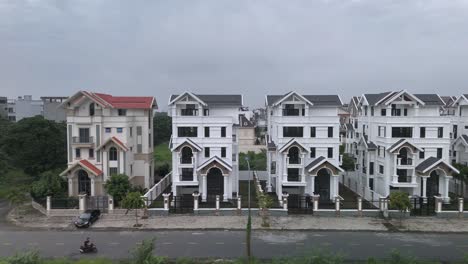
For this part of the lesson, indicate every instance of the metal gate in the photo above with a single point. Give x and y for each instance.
(181, 204)
(423, 206)
(298, 204)
(98, 203)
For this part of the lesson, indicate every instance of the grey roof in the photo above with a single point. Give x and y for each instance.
(315, 162)
(349, 127)
(466, 95)
(465, 137)
(430, 99)
(244, 122)
(448, 100)
(214, 158)
(397, 143)
(370, 144)
(426, 163)
(271, 145)
(374, 98)
(325, 100)
(218, 99)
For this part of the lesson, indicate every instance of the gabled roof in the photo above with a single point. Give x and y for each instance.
(319, 161)
(368, 144)
(211, 99)
(461, 97)
(396, 95)
(286, 96)
(190, 142)
(271, 145)
(373, 99)
(400, 143)
(291, 142)
(244, 122)
(463, 138)
(448, 100)
(216, 159)
(431, 99)
(317, 100)
(116, 141)
(110, 101)
(86, 165)
(432, 162)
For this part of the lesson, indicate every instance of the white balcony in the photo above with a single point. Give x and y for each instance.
(404, 181)
(186, 162)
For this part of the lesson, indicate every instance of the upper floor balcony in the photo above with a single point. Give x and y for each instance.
(82, 140)
(189, 112)
(405, 162)
(293, 112)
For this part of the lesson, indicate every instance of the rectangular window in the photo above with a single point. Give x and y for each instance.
(355, 124)
(78, 153)
(421, 154)
(440, 132)
(454, 154)
(372, 111)
(330, 153)
(122, 112)
(139, 139)
(405, 112)
(455, 131)
(84, 135)
(91, 153)
(312, 153)
(207, 132)
(402, 132)
(371, 168)
(293, 131)
(330, 132)
(439, 153)
(206, 112)
(365, 110)
(381, 169)
(113, 171)
(371, 184)
(207, 152)
(119, 130)
(383, 112)
(131, 131)
(223, 132)
(422, 132)
(108, 130)
(187, 131)
(131, 169)
(313, 131)
(223, 152)
(382, 131)
(187, 174)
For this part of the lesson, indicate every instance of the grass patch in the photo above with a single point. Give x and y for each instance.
(162, 159)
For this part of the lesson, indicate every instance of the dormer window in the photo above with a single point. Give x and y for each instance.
(290, 110)
(190, 110)
(122, 112)
(91, 109)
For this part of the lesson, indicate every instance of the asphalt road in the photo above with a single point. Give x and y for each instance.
(231, 244)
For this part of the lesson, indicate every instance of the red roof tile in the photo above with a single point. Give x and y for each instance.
(91, 167)
(128, 102)
(116, 140)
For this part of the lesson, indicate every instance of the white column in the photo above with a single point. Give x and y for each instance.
(194, 161)
(303, 179)
(48, 204)
(226, 188)
(312, 185)
(268, 171)
(166, 200)
(285, 168)
(93, 191)
(82, 202)
(424, 187)
(71, 187)
(446, 197)
(204, 188)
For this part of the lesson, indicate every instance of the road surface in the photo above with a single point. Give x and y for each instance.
(231, 244)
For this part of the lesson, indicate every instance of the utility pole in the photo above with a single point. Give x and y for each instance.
(249, 219)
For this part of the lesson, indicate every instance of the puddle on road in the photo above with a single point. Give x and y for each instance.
(279, 238)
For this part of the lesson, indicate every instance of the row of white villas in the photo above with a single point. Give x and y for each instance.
(108, 135)
(404, 141)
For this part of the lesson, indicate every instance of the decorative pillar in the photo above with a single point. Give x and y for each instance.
(359, 205)
(71, 187)
(110, 202)
(204, 188)
(460, 205)
(285, 168)
(166, 201)
(424, 187)
(268, 171)
(285, 200)
(93, 186)
(312, 185)
(315, 199)
(48, 204)
(438, 204)
(239, 203)
(196, 197)
(446, 197)
(395, 175)
(82, 202)
(226, 189)
(217, 202)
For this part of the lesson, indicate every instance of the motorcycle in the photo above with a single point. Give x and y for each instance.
(89, 249)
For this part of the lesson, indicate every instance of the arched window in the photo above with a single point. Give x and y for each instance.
(112, 153)
(293, 155)
(91, 109)
(186, 155)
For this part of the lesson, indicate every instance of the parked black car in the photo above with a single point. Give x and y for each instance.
(87, 218)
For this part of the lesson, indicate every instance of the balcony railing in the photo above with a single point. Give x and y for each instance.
(83, 140)
(294, 161)
(405, 161)
(186, 160)
(291, 112)
(405, 179)
(294, 178)
(186, 177)
(189, 112)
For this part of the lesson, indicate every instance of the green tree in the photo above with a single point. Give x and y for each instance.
(118, 186)
(16, 196)
(401, 202)
(258, 161)
(348, 162)
(162, 124)
(35, 145)
(50, 183)
(462, 176)
(133, 201)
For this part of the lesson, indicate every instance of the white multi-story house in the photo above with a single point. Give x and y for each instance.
(108, 135)
(459, 118)
(352, 137)
(204, 144)
(404, 144)
(303, 144)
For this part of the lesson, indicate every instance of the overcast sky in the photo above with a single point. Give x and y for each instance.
(251, 47)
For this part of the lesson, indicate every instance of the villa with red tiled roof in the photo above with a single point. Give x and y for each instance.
(108, 135)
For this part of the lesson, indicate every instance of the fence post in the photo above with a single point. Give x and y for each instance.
(315, 199)
(337, 205)
(196, 196)
(239, 203)
(460, 206)
(438, 205)
(166, 201)
(285, 200)
(82, 202)
(217, 202)
(359, 205)
(111, 203)
(48, 204)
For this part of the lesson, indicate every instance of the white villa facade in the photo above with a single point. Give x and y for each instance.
(108, 135)
(404, 144)
(303, 145)
(204, 144)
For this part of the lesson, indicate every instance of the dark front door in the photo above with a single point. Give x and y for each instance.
(215, 182)
(322, 185)
(84, 183)
(432, 185)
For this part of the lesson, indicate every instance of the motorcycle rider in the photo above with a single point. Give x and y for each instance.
(87, 244)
